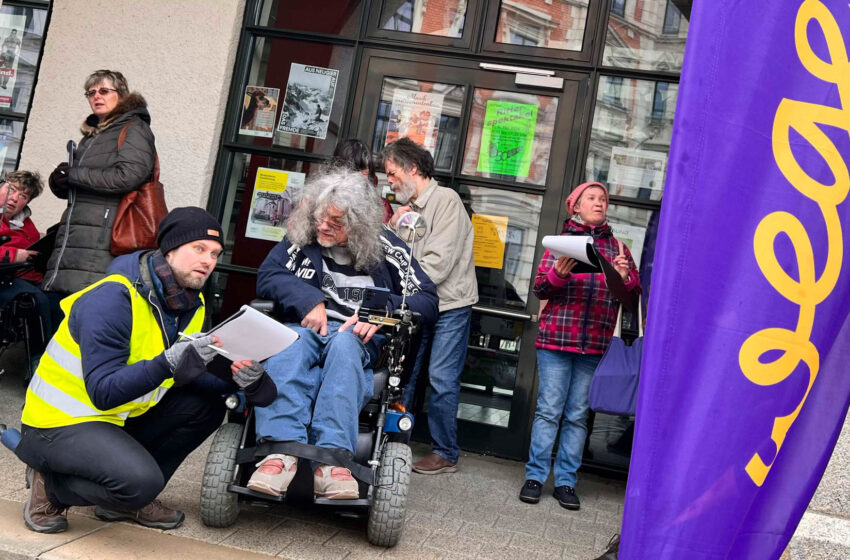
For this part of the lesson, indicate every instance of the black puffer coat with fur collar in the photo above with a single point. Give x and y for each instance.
(99, 177)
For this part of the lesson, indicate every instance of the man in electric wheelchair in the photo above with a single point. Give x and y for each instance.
(335, 248)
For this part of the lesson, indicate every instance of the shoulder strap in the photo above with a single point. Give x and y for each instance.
(122, 136)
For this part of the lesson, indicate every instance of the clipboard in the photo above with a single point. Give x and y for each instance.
(589, 261)
(249, 334)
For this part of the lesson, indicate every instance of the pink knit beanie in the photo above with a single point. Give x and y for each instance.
(574, 196)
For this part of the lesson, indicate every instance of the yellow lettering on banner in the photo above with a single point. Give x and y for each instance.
(807, 291)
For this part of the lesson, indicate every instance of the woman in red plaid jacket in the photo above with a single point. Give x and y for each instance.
(575, 329)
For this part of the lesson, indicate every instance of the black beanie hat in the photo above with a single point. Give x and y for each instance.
(187, 224)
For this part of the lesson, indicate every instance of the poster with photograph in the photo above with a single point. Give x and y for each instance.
(275, 195)
(259, 108)
(507, 138)
(415, 115)
(639, 169)
(308, 100)
(11, 32)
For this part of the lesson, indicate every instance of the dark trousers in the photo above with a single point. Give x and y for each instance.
(98, 463)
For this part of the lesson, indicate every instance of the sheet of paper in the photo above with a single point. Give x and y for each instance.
(249, 334)
(578, 247)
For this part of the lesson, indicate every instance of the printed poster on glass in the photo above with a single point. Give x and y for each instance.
(259, 108)
(11, 32)
(415, 115)
(308, 100)
(275, 195)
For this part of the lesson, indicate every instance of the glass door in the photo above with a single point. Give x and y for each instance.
(504, 139)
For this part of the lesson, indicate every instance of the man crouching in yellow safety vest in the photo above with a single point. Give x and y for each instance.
(117, 401)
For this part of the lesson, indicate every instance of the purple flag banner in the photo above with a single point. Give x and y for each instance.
(746, 368)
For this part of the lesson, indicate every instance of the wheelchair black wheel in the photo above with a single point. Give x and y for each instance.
(219, 507)
(386, 517)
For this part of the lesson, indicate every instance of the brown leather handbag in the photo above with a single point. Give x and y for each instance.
(139, 213)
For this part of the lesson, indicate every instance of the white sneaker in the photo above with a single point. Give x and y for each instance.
(334, 483)
(273, 475)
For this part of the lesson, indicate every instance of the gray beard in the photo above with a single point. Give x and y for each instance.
(405, 193)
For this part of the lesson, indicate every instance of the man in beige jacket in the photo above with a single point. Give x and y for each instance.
(445, 254)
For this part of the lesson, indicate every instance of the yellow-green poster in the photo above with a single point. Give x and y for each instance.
(507, 138)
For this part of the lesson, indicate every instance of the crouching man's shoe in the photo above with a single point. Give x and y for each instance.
(40, 514)
(154, 515)
(613, 549)
(434, 464)
(334, 483)
(273, 474)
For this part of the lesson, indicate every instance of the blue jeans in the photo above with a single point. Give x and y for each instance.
(448, 341)
(561, 400)
(328, 378)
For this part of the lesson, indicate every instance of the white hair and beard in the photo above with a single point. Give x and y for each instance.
(362, 214)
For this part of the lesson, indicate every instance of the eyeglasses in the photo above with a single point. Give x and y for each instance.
(102, 91)
(20, 193)
(334, 225)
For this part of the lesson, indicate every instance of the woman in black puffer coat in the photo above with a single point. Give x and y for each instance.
(98, 178)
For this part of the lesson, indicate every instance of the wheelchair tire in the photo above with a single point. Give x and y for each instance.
(386, 517)
(220, 508)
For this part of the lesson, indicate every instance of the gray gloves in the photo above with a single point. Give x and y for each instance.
(248, 374)
(200, 345)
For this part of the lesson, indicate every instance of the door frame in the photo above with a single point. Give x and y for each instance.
(376, 64)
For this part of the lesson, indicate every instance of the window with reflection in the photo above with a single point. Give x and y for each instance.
(505, 225)
(445, 18)
(338, 17)
(10, 143)
(21, 35)
(510, 136)
(637, 228)
(649, 37)
(261, 193)
(489, 375)
(630, 137)
(304, 86)
(550, 25)
(428, 113)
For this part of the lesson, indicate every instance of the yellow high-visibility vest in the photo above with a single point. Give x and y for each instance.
(57, 394)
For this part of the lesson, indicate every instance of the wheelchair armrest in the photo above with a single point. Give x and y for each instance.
(265, 306)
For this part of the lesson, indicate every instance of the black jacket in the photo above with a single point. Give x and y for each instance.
(100, 176)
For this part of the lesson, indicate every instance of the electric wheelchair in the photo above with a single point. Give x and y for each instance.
(382, 459)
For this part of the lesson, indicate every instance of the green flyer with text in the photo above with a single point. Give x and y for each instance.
(507, 138)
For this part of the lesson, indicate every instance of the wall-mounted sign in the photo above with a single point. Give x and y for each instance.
(308, 100)
(275, 194)
(507, 138)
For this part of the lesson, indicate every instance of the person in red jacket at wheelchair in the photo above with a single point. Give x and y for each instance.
(16, 192)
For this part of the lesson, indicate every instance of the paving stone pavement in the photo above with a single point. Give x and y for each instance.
(473, 513)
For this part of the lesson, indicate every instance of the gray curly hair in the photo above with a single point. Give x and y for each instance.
(360, 204)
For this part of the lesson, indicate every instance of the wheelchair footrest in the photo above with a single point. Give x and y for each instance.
(248, 492)
(360, 502)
